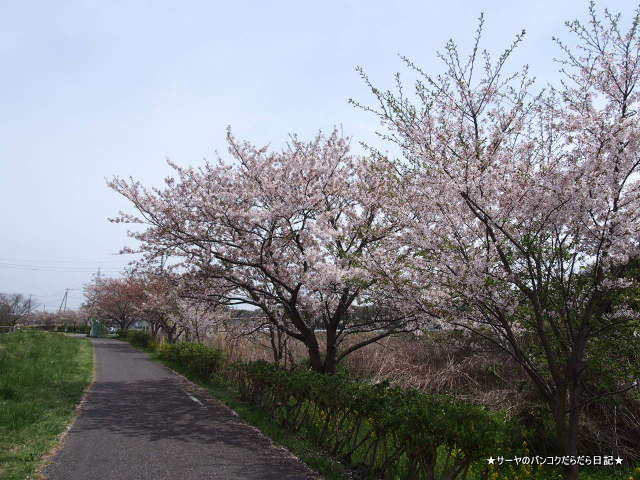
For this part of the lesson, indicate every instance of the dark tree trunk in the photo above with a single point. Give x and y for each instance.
(331, 357)
(315, 358)
(277, 344)
(170, 331)
(566, 413)
(155, 328)
(323, 364)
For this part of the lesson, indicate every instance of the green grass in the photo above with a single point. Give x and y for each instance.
(42, 378)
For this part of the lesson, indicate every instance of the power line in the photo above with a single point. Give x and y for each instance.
(42, 298)
(64, 260)
(52, 268)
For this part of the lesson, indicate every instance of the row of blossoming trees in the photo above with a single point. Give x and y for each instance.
(512, 213)
(167, 303)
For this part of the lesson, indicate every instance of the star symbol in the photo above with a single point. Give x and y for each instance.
(618, 461)
(491, 460)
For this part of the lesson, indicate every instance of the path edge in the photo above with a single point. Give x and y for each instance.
(208, 397)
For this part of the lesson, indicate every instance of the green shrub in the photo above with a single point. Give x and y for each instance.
(383, 430)
(72, 328)
(139, 339)
(198, 359)
(534, 424)
(122, 334)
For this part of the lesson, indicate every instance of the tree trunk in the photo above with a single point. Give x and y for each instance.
(315, 357)
(328, 364)
(567, 424)
(155, 328)
(331, 357)
(276, 345)
(171, 334)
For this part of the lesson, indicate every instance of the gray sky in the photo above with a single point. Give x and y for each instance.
(90, 89)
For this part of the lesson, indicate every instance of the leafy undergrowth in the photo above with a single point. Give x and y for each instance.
(42, 379)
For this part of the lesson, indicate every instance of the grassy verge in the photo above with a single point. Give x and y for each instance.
(42, 379)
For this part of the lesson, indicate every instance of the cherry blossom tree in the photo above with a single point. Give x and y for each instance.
(159, 305)
(202, 318)
(116, 300)
(525, 204)
(300, 234)
(179, 305)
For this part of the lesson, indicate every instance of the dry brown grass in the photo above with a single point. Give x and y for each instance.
(257, 346)
(455, 364)
(435, 363)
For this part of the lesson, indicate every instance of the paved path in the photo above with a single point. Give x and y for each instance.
(140, 421)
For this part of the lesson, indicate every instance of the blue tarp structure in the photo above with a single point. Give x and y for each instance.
(97, 329)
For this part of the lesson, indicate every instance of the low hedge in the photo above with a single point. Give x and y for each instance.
(122, 334)
(198, 359)
(139, 339)
(383, 431)
(71, 328)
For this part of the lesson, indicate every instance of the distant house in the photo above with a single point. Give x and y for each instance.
(140, 325)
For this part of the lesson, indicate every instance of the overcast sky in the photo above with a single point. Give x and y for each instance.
(90, 89)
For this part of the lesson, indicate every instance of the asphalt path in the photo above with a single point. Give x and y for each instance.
(141, 421)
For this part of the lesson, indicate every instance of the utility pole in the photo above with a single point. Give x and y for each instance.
(64, 300)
